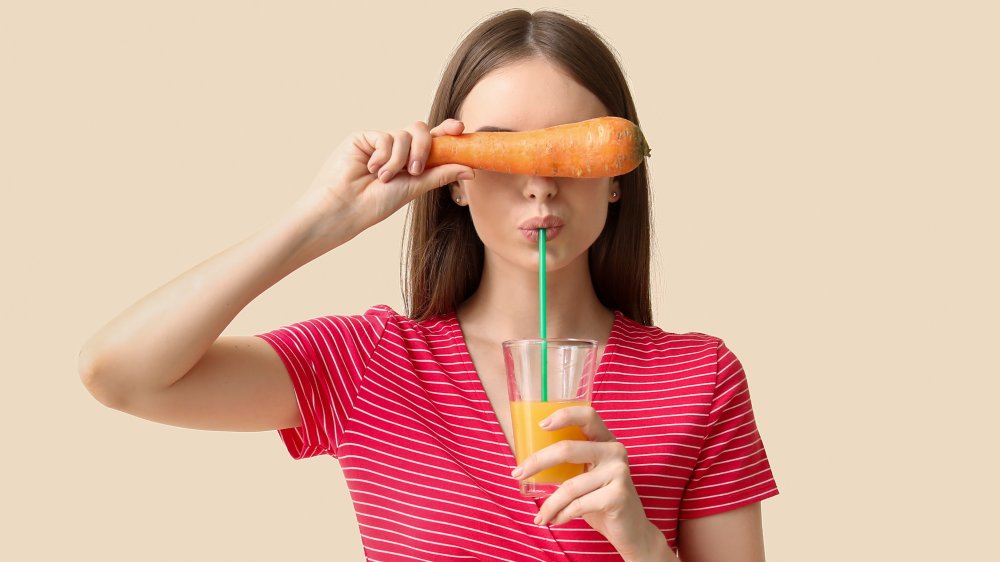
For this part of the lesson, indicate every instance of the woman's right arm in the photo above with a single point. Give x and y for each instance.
(164, 358)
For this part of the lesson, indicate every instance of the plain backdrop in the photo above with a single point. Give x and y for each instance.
(825, 182)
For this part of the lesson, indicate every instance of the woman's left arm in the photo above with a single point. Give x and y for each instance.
(607, 500)
(736, 535)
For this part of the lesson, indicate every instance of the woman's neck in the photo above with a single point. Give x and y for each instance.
(505, 306)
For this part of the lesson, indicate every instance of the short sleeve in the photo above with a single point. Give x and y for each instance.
(732, 468)
(326, 359)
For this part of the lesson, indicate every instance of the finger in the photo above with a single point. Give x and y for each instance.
(603, 500)
(380, 144)
(569, 450)
(567, 492)
(574, 451)
(438, 176)
(400, 155)
(420, 147)
(448, 127)
(584, 416)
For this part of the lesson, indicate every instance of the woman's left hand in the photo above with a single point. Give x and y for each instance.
(604, 495)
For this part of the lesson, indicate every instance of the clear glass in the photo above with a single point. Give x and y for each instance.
(572, 364)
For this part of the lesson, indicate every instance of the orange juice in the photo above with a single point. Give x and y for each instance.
(530, 438)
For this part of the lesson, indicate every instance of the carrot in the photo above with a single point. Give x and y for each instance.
(595, 148)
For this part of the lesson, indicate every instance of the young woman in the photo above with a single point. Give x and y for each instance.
(414, 406)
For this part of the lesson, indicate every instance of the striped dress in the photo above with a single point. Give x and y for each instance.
(400, 405)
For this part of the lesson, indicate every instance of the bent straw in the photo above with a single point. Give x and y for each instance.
(541, 314)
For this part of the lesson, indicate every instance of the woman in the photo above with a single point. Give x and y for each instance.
(414, 406)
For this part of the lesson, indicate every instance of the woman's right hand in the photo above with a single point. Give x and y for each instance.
(368, 176)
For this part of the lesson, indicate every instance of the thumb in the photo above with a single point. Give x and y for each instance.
(440, 176)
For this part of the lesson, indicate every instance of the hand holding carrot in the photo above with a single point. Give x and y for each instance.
(372, 174)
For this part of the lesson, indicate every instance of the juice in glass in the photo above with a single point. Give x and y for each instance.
(530, 438)
(535, 393)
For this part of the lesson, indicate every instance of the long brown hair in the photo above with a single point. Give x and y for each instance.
(445, 255)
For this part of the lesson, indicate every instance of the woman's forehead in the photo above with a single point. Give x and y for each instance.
(526, 96)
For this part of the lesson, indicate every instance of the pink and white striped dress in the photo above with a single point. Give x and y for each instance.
(401, 407)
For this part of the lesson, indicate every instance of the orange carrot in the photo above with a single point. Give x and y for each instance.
(595, 148)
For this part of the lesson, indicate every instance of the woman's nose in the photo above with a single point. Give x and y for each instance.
(540, 188)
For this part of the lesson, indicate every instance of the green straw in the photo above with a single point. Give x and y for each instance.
(541, 313)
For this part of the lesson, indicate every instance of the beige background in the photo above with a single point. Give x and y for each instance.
(825, 181)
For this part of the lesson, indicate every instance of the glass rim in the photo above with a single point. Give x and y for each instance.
(574, 342)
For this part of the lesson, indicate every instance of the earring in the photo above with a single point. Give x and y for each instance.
(614, 195)
(458, 199)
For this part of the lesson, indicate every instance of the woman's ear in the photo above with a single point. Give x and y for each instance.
(614, 191)
(457, 194)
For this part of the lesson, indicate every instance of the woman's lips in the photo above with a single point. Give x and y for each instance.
(532, 233)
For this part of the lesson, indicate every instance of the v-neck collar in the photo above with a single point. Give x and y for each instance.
(489, 416)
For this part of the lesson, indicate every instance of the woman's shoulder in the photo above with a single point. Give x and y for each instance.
(441, 325)
(654, 337)
(652, 347)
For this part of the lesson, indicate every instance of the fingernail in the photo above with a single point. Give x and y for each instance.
(517, 472)
(415, 167)
(466, 175)
(538, 520)
(384, 176)
(545, 423)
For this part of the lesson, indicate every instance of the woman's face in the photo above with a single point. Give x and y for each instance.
(528, 95)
